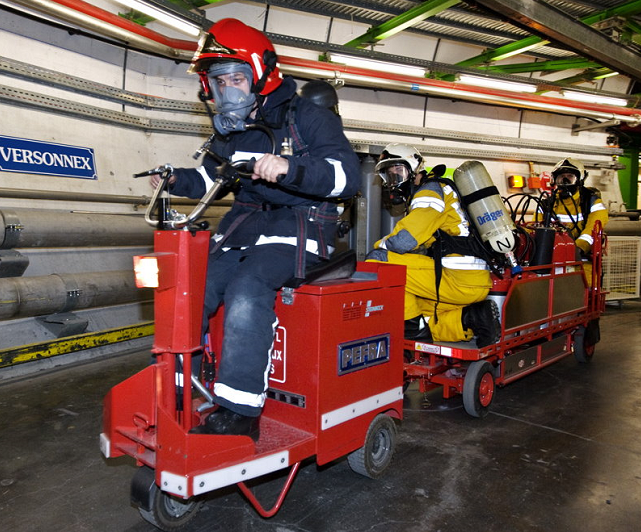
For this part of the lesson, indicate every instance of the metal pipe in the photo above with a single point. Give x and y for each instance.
(48, 294)
(29, 228)
(23, 228)
(623, 227)
(20, 193)
(95, 19)
(307, 68)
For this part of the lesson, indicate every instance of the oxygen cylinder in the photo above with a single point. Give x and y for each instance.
(485, 208)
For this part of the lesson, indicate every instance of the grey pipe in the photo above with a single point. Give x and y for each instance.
(104, 28)
(48, 294)
(95, 198)
(22, 228)
(616, 227)
(25, 228)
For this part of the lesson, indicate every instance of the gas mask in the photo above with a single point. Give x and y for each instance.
(397, 181)
(233, 105)
(567, 184)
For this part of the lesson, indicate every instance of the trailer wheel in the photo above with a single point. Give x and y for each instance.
(374, 457)
(478, 388)
(168, 512)
(583, 349)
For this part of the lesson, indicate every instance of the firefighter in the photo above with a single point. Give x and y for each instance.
(452, 308)
(284, 215)
(577, 207)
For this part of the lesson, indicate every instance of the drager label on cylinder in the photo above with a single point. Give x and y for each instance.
(361, 354)
(489, 217)
(46, 158)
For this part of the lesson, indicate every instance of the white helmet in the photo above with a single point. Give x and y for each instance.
(398, 163)
(568, 166)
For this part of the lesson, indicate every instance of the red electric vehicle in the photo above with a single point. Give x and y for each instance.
(335, 389)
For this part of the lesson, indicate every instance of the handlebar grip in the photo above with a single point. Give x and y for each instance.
(158, 170)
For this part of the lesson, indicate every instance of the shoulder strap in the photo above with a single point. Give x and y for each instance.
(298, 143)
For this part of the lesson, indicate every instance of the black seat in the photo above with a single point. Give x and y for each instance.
(339, 266)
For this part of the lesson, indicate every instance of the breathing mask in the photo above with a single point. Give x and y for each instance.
(396, 179)
(232, 104)
(567, 176)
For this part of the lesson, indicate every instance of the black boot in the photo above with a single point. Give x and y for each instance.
(484, 320)
(224, 421)
(417, 329)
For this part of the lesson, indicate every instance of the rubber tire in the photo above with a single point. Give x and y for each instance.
(478, 388)
(582, 352)
(168, 512)
(373, 458)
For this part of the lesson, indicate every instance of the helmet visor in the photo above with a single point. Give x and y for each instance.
(565, 178)
(393, 172)
(229, 81)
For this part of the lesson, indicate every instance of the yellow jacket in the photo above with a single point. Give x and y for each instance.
(434, 206)
(569, 212)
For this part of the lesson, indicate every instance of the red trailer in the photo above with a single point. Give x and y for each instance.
(547, 313)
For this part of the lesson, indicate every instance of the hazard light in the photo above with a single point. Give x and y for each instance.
(146, 271)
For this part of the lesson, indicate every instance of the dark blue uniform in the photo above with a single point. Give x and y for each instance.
(271, 231)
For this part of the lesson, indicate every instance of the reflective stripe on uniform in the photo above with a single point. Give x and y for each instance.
(340, 179)
(587, 238)
(311, 245)
(570, 218)
(466, 262)
(209, 182)
(426, 202)
(597, 207)
(239, 397)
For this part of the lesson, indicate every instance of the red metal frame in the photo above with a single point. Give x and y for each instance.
(314, 406)
(548, 339)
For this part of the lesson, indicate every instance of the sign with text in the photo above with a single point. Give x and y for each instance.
(278, 369)
(46, 158)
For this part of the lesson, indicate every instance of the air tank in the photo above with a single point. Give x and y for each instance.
(485, 208)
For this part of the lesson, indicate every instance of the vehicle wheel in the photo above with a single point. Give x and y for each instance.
(583, 349)
(168, 512)
(374, 457)
(478, 388)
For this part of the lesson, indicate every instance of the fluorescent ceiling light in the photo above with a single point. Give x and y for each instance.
(372, 64)
(165, 17)
(608, 75)
(594, 98)
(497, 83)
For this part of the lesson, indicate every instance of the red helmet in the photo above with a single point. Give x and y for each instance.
(232, 40)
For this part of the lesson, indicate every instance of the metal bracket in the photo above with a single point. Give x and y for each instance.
(576, 128)
(12, 263)
(63, 324)
(287, 295)
(12, 229)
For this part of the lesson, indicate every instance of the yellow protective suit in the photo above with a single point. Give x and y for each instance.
(569, 212)
(465, 279)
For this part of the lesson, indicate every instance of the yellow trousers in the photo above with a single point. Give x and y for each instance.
(458, 289)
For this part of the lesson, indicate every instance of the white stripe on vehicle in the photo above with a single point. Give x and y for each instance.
(354, 410)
